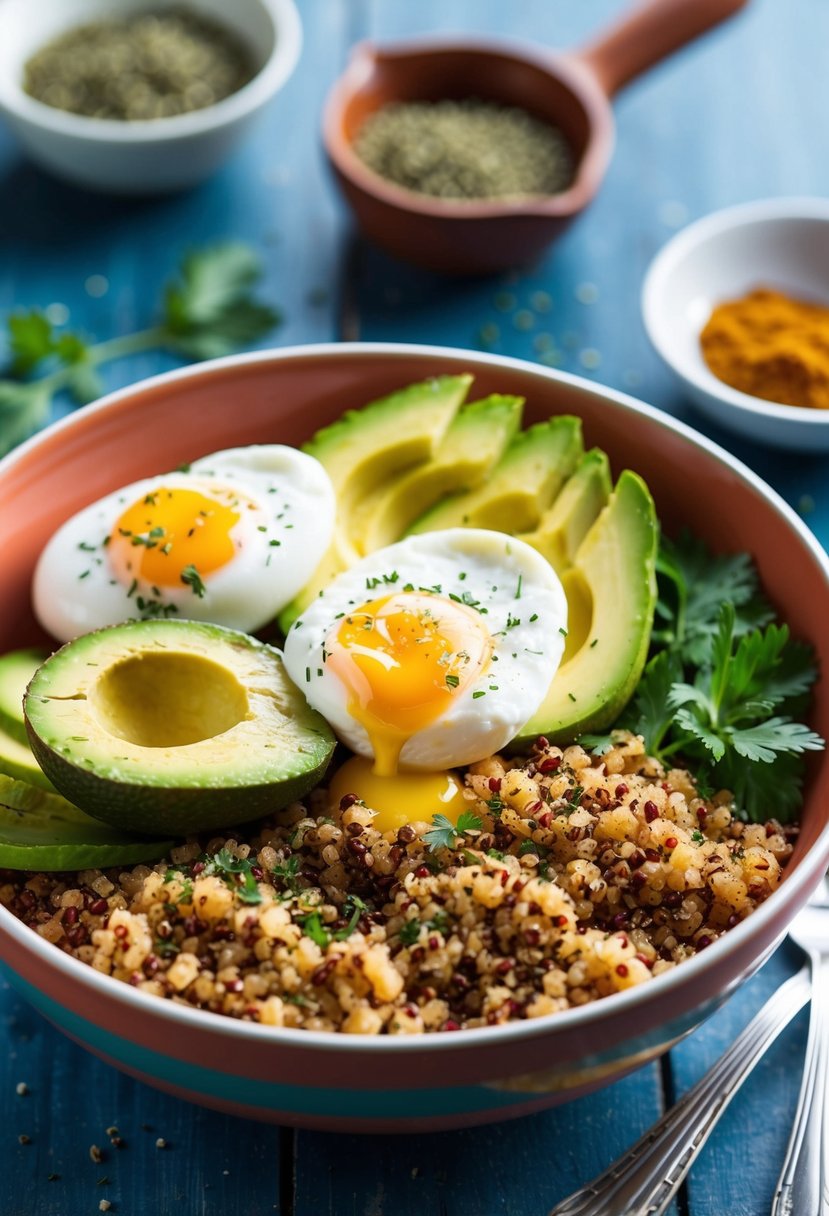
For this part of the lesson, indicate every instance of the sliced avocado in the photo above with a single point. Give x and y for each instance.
(471, 447)
(370, 446)
(174, 726)
(16, 669)
(564, 526)
(520, 488)
(611, 594)
(16, 760)
(42, 831)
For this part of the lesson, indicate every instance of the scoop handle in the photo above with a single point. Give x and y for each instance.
(650, 32)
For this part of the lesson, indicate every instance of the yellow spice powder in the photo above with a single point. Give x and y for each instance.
(771, 346)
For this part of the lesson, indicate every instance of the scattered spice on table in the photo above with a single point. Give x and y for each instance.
(465, 149)
(143, 65)
(771, 345)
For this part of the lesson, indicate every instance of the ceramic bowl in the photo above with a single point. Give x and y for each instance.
(778, 243)
(398, 1083)
(571, 91)
(140, 157)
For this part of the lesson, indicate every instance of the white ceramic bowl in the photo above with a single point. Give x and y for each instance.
(140, 157)
(779, 243)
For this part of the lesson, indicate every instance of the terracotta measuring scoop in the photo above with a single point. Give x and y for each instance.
(571, 90)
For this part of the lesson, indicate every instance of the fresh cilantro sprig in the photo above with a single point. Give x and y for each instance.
(209, 309)
(444, 834)
(725, 682)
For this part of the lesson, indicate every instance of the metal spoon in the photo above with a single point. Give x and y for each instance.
(644, 1180)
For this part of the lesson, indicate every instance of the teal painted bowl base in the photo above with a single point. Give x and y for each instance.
(366, 1110)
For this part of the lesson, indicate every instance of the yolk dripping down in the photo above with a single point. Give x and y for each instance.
(170, 529)
(403, 658)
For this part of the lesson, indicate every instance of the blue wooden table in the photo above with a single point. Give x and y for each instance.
(739, 116)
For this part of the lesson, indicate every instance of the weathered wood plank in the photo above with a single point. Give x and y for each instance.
(212, 1165)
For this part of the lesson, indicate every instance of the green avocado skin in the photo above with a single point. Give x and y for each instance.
(110, 720)
(175, 810)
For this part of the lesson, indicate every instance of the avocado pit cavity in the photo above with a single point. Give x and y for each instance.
(173, 727)
(167, 699)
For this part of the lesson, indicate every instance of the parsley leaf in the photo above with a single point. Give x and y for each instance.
(693, 584)
(724, 682)
(468, 821)
(649, 714)
(30, 340)
(444, 833)
(225, 864)
(210, 309)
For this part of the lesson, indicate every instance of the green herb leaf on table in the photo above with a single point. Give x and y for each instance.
(209, 310)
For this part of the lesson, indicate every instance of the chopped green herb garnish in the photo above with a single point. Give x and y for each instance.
(409, 932)
(192, 579)
(313, 927)
(226, 865)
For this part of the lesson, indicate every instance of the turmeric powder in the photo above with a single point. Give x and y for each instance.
(771, 346)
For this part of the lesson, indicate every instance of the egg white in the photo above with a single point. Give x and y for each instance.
(279, 541)
(522, 605)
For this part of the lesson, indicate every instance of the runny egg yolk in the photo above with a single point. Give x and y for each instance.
(404, 798)
(171, 529)
(403, 658)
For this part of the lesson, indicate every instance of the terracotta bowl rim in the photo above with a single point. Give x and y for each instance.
(566, 67)
(806, 876)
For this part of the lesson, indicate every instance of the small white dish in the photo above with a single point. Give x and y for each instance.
(778, 243)
(161, 155)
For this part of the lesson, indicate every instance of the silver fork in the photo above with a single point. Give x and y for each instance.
(803, 1186)
(644, 1180)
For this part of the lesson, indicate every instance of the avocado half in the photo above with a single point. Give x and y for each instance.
(174, 726)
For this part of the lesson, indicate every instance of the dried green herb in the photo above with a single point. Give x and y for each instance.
(465, 149)
(144, 65)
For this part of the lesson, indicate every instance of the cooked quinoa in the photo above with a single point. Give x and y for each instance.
(585, 875)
